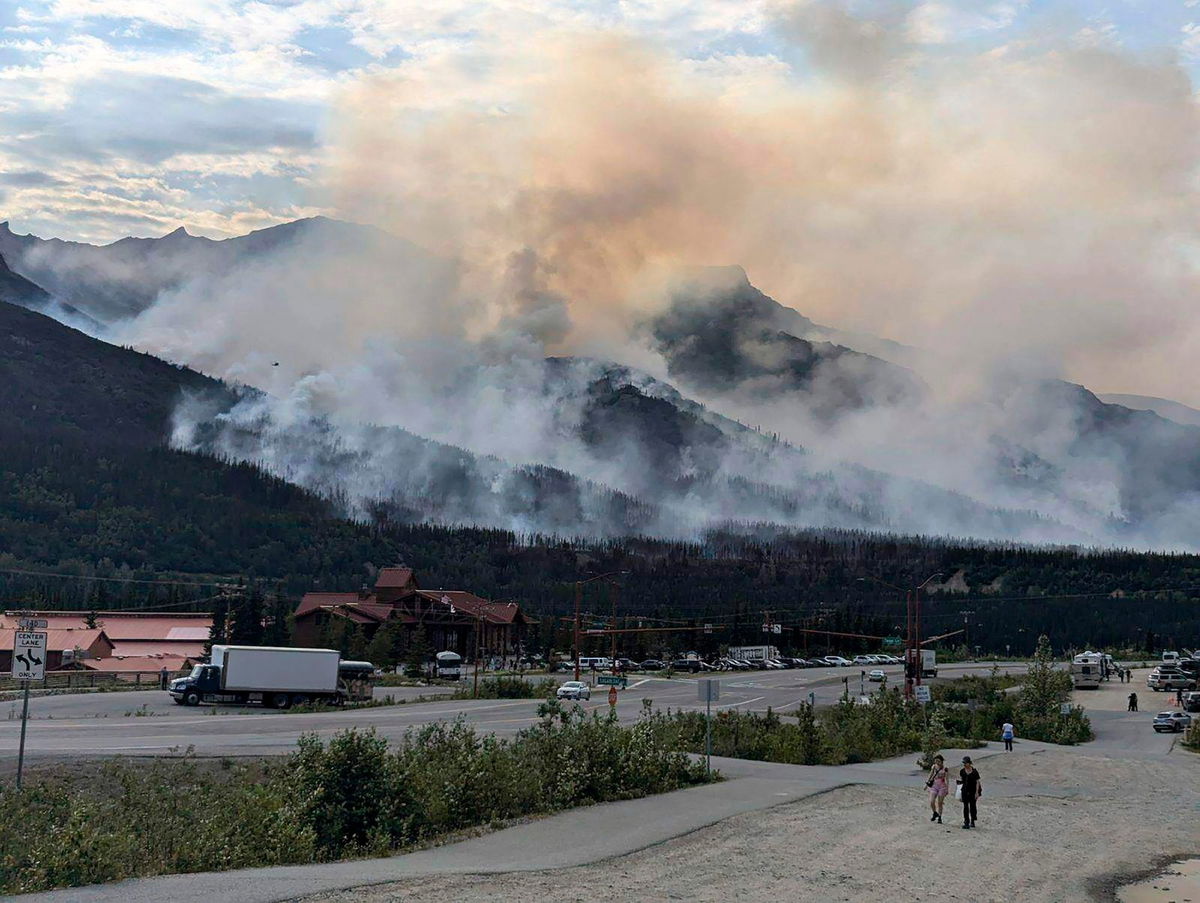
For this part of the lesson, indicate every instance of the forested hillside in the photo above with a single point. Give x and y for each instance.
(89, 487)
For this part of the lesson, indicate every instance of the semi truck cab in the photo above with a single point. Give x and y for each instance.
(202, 685)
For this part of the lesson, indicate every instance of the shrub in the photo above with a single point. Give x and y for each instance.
(354, 794)
(509, 688)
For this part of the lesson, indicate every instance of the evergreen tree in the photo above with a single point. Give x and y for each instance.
(216, 633)
(418, 654)
(248, 613)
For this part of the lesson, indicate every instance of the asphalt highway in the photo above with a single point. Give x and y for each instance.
(149, 723)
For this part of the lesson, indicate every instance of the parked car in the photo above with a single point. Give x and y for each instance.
(1170, 679)
(1191, 701)
(1172, 721)
(863, 660)
(653, 664)
(877, 676)
(624, 664)
(838, 661)
(574, 689)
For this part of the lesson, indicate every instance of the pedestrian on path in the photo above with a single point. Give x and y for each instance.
(1133, 702)
(1007, 733)
(939, 786)
(970, 788)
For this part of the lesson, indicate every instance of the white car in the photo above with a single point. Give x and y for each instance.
(877, 676)
(837, 660)
(574, 689)
(863, 660)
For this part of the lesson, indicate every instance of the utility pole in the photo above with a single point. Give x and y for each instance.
(478, 629)
(966, 613)
(578, 596)
(612, 597)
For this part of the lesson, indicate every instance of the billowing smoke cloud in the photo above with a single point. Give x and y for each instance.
(1017, 214)
(1034, 200)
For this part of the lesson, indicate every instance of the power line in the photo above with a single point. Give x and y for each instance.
(27, 573)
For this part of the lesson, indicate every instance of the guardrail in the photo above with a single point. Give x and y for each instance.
(67, 680)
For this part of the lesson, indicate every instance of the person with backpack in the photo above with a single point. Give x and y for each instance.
(970, 789)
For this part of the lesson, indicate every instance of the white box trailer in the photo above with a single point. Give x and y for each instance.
(753, 654)
(273, 668)
(277, 676)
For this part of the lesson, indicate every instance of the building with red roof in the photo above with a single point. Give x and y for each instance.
(63, 646)
(131, 633)
(450, 618)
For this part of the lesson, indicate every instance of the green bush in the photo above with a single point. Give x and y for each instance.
(508, 687)
(352, 795)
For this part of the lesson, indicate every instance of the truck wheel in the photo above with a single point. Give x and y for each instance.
(280, 701)
(191, 697)
(177, 701)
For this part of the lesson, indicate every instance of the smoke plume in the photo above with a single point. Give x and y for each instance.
(1011, 216)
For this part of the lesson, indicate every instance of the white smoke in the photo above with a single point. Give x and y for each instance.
(1016, 215)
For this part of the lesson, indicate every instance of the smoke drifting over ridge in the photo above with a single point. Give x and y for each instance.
(1017, 214)
(1035, 200)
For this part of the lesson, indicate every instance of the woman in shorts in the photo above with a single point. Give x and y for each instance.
(939, 786)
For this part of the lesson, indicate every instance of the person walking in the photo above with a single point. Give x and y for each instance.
(1133, 702)
(970, 789)
(939, 786)
(1006, 732)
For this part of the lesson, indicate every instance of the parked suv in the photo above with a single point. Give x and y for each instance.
(1170, 679)
(1172, 721)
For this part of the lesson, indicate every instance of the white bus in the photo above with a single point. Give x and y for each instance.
(449, 665)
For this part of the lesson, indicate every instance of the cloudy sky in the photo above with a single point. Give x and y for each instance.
(126, 117)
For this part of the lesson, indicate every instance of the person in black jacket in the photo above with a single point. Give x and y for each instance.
(972, 789)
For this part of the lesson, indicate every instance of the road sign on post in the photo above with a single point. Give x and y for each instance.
(28, 664)
(709, 691)
(891, 641)
(613, 680)
(612, 696)
(29, 655)
(922, 693)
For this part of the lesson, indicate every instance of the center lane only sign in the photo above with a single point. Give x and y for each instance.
(29, 655)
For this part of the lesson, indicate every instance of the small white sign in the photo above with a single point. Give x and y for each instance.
(708, 690)
(29, 655)
(34, 624)
(922, 693)
(1064, 708)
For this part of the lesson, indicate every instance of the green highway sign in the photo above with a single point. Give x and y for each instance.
(891, 641)
(612, 680)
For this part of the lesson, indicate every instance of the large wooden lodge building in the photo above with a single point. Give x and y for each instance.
(449, 617)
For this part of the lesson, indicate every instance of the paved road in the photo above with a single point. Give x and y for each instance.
(149, 723)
